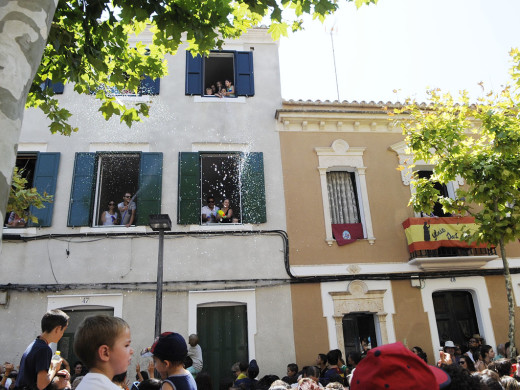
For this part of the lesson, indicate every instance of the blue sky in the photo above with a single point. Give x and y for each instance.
(404, 45)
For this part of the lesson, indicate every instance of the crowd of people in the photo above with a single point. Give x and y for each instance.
(221, 90)
(103, 343)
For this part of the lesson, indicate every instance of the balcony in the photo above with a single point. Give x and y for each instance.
(435, 244)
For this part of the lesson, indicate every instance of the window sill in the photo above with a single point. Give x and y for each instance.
(133, 98)
(28, 231)
(214, 99)
(220, 227)
(452, 263)
(113, 229)
(371, 240)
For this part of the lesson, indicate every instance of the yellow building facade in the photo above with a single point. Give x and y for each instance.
(380, 287)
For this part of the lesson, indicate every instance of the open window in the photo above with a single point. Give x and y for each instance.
(100, 178)
(236, 176)
(41, 171)
(203, 72)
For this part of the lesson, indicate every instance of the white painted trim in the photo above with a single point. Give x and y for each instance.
(380, 268)
(341, 156)
(476, 285)
(118, 147)
(86, 301)
(24, 232)
(220, 147)
(220, 227)
(114, 229)
(214, 99)
(247, 296)
(515, 279)
(32, 147)
(328, 307)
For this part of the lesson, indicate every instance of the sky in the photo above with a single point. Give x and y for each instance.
(401, 45)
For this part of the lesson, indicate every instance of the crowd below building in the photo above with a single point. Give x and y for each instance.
(103, 343)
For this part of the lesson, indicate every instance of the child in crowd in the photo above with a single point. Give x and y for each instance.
(209, 91)
(169, 352)
(103, 344)
(292, 374)
(36, 360)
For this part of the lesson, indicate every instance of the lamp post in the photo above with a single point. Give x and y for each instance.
(159, 223)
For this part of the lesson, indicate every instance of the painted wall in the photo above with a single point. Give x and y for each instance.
(387, 196)
(410, 319)
(310, 326)
(177, 123)
(499, 310)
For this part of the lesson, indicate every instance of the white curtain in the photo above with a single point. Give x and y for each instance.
(342, 198)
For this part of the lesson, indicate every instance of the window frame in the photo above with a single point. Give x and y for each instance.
(243, 73)
(340, 156)
(84, 186)
(406, 160)
(44, 179)
(252, 181)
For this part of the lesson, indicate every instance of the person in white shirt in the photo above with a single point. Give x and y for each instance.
(195, 353)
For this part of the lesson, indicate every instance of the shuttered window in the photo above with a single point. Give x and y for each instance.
(202, 72)
(251, 188)
(45, 178)
(86, 184)
(41, 172)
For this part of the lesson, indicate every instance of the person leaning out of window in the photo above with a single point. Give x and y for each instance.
(225, 214)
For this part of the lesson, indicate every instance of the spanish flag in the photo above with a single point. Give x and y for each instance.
(435, 232)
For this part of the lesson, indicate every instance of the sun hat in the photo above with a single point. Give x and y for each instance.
(449, 344)
(393, 366)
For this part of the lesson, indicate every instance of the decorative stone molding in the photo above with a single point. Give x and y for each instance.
(358, 299)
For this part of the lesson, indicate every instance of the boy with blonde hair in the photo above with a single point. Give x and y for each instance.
(169, 352)
(103, 344)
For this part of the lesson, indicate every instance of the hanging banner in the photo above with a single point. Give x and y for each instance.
(436, 232)
(347, 233)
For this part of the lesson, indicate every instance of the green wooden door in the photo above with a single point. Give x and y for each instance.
(222, 334)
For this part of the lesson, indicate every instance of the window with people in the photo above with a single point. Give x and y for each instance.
(40, 170)
(221, 74)
(221, 188)
(115, 189)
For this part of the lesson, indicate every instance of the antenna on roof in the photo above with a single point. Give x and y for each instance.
(333, 30)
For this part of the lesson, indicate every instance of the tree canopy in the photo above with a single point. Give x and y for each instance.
(480, 143)
(88, 43)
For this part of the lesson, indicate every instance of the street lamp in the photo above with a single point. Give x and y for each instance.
(159, 223)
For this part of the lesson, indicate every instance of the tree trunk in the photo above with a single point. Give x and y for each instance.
(24, 28)
(510, 299)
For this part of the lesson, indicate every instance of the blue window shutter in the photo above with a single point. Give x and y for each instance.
(253, 189)
(149, 86)
(82, 191)
(193, 74)
(57, 88)
(244, 78)
(150, 187)
(44, 180)
(189, 204)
